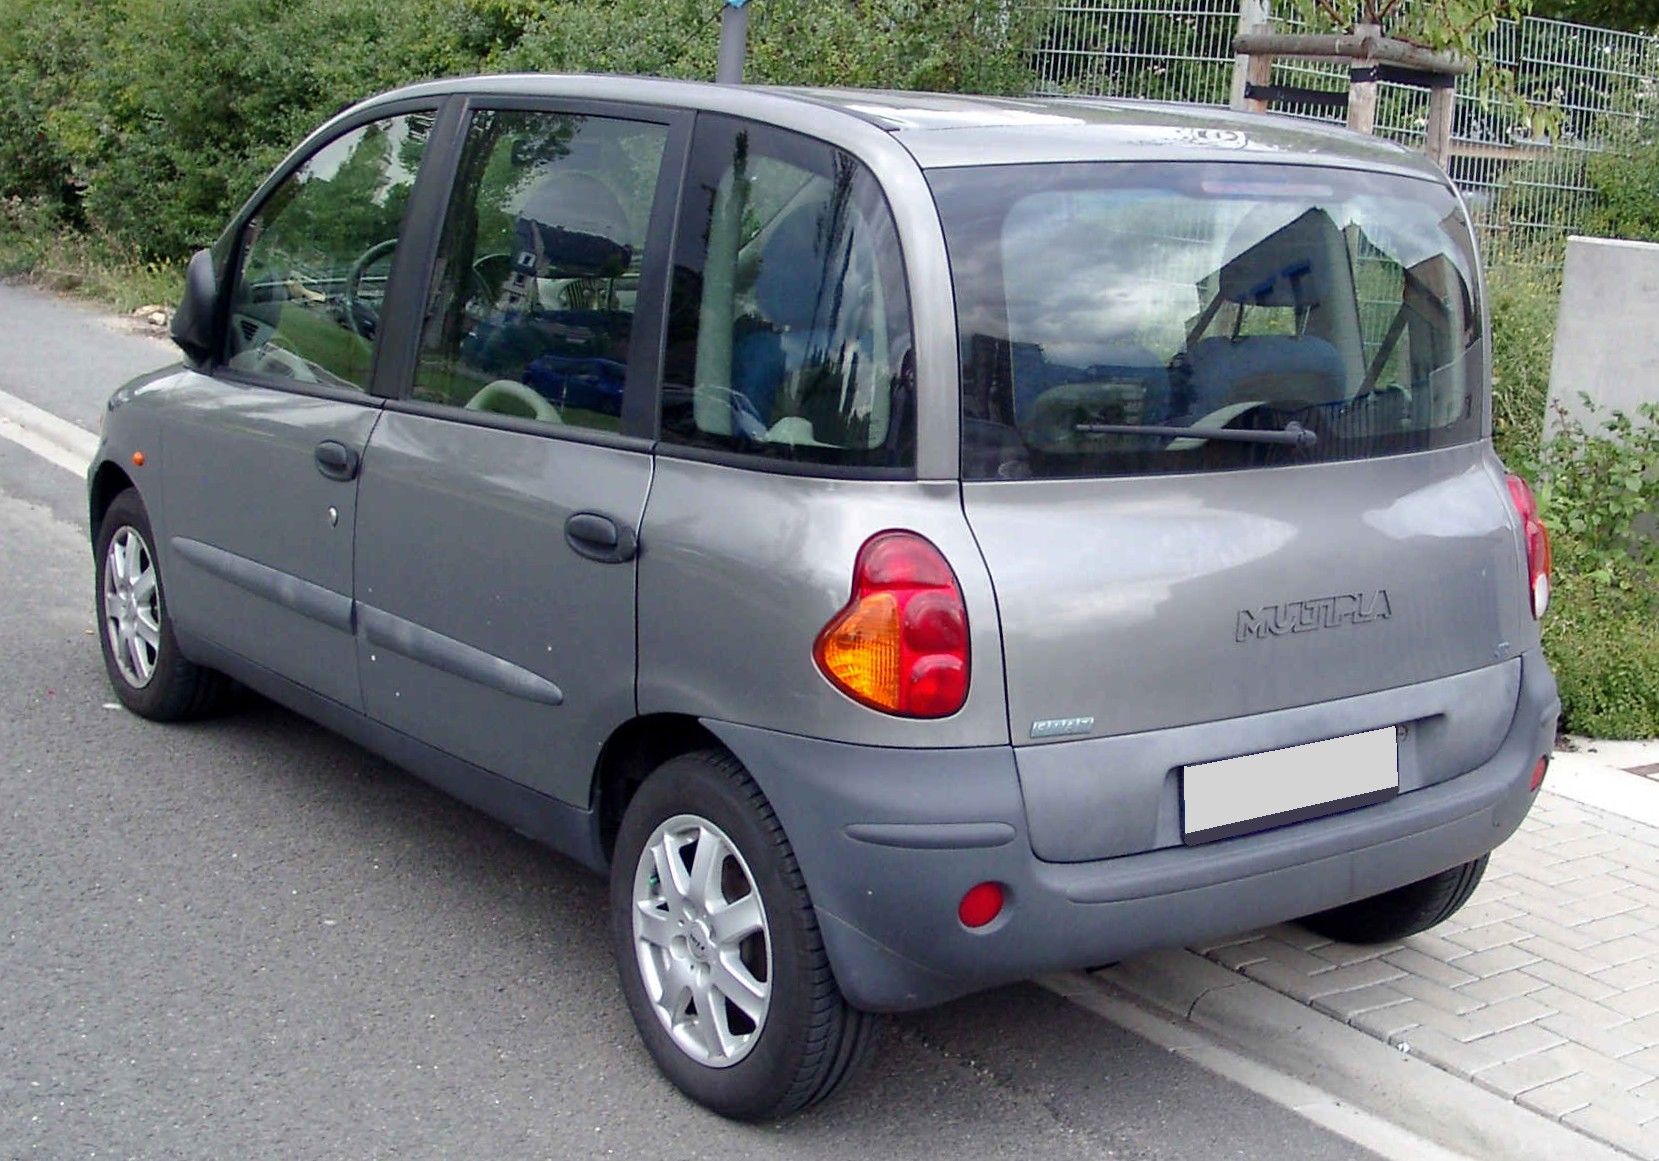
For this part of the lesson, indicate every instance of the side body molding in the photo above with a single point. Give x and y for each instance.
(453, 657)
(301, 596)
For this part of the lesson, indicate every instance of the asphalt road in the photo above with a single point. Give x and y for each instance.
(249, 938)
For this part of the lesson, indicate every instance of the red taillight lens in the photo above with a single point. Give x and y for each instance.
(1539, 771)
(900, 645)
(1537, 542)
(980, 905)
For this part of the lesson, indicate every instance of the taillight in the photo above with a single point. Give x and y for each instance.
(1537, 541)
(900, 645)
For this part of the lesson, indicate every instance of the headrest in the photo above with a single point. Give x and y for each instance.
(1290, 267)
(792, 270)
(573, 226)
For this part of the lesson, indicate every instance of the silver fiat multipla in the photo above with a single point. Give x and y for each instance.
(908, 542)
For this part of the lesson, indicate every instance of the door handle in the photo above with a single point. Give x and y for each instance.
(337, 461)
(600, 538)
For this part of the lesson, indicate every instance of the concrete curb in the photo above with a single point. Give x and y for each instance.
(1305, 1046)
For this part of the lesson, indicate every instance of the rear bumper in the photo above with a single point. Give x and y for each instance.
(889, 840)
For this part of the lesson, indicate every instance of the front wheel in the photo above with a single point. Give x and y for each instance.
(719, 951)
(1403, 911)
(149, 674)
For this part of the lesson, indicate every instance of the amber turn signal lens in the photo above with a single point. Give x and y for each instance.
(900, 644)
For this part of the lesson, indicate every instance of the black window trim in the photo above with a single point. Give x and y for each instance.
(747, 460)
(645, 346)
(371, 396)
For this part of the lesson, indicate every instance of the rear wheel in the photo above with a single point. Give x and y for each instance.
(718, 947)
(1403, 911)
(147, 671)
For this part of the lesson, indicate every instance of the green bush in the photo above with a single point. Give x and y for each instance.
(148, 121)
(1626, 181)
(1598, 492)
(1523, 299)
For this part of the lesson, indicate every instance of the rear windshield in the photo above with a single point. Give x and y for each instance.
(1115, 317)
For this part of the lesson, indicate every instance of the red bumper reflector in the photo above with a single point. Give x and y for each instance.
(980, 905)
(1538, 772)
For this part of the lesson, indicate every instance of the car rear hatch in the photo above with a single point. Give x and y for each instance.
(1222, 440)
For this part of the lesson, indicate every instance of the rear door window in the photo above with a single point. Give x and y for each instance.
(789, 325)
(1126, 318)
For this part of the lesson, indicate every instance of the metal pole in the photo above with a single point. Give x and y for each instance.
(734, 43)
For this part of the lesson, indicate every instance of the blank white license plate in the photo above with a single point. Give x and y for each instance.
(1236, 795)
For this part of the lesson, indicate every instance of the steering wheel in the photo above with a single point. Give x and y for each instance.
(511, 391)
(363, 319)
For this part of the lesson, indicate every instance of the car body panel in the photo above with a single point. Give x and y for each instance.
(1148, 602)
(740, 570)
(258, 542)
(482, 631)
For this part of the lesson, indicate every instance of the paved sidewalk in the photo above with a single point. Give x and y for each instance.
(1543, 989)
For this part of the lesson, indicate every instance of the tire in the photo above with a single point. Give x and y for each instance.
(1404, 911)
(796, 1040)
(148, 673)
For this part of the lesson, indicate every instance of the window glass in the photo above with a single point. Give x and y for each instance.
(315, 258)
(789, 325)
(1096, 301)
(532, 307)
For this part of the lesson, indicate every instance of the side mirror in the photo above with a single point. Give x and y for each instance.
(193, 320)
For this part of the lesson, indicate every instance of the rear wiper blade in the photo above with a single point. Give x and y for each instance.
(1293, 433)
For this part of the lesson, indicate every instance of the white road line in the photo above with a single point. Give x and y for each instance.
(50, 437)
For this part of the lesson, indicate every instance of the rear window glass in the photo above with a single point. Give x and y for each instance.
(1121, 319)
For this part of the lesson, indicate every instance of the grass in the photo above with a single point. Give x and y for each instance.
(81, 265)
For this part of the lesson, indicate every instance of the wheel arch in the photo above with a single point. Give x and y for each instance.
(634, 749)
(108, 482)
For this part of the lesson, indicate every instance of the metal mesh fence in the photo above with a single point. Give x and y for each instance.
(1526, 194)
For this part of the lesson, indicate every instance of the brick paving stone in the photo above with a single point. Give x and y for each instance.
(1498, 959)
(1561, 1097)
(1465, 1058)
(1448, 1000)
(1358, 975)
(1588, 962)
(1410, 959)
(1627, 948)
(1484, 909)
(1490, 936)
(1611, 1128)
(1597, 843)
(1346, 1005)
(1569, 1003)
(1499, 1017)
(1296, 936)
(1577, 983)
(1291, 981)
(1612, 1043)
(1237, 955)
(1555, 932)
(1629, 976)
(1615, 1075)
(1647, 1060)
(1638, 875)
(1393, 1023)
(1578, 880)
(1435, 947)
(1514, 1077)
(1616, 926)
(1346, 954)
(1637, 1002)
(1503, 986)
(1294, 958)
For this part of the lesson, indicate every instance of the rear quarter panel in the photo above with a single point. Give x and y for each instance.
(739, 569)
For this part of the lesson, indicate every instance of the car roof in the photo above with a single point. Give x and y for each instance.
(954, 129)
